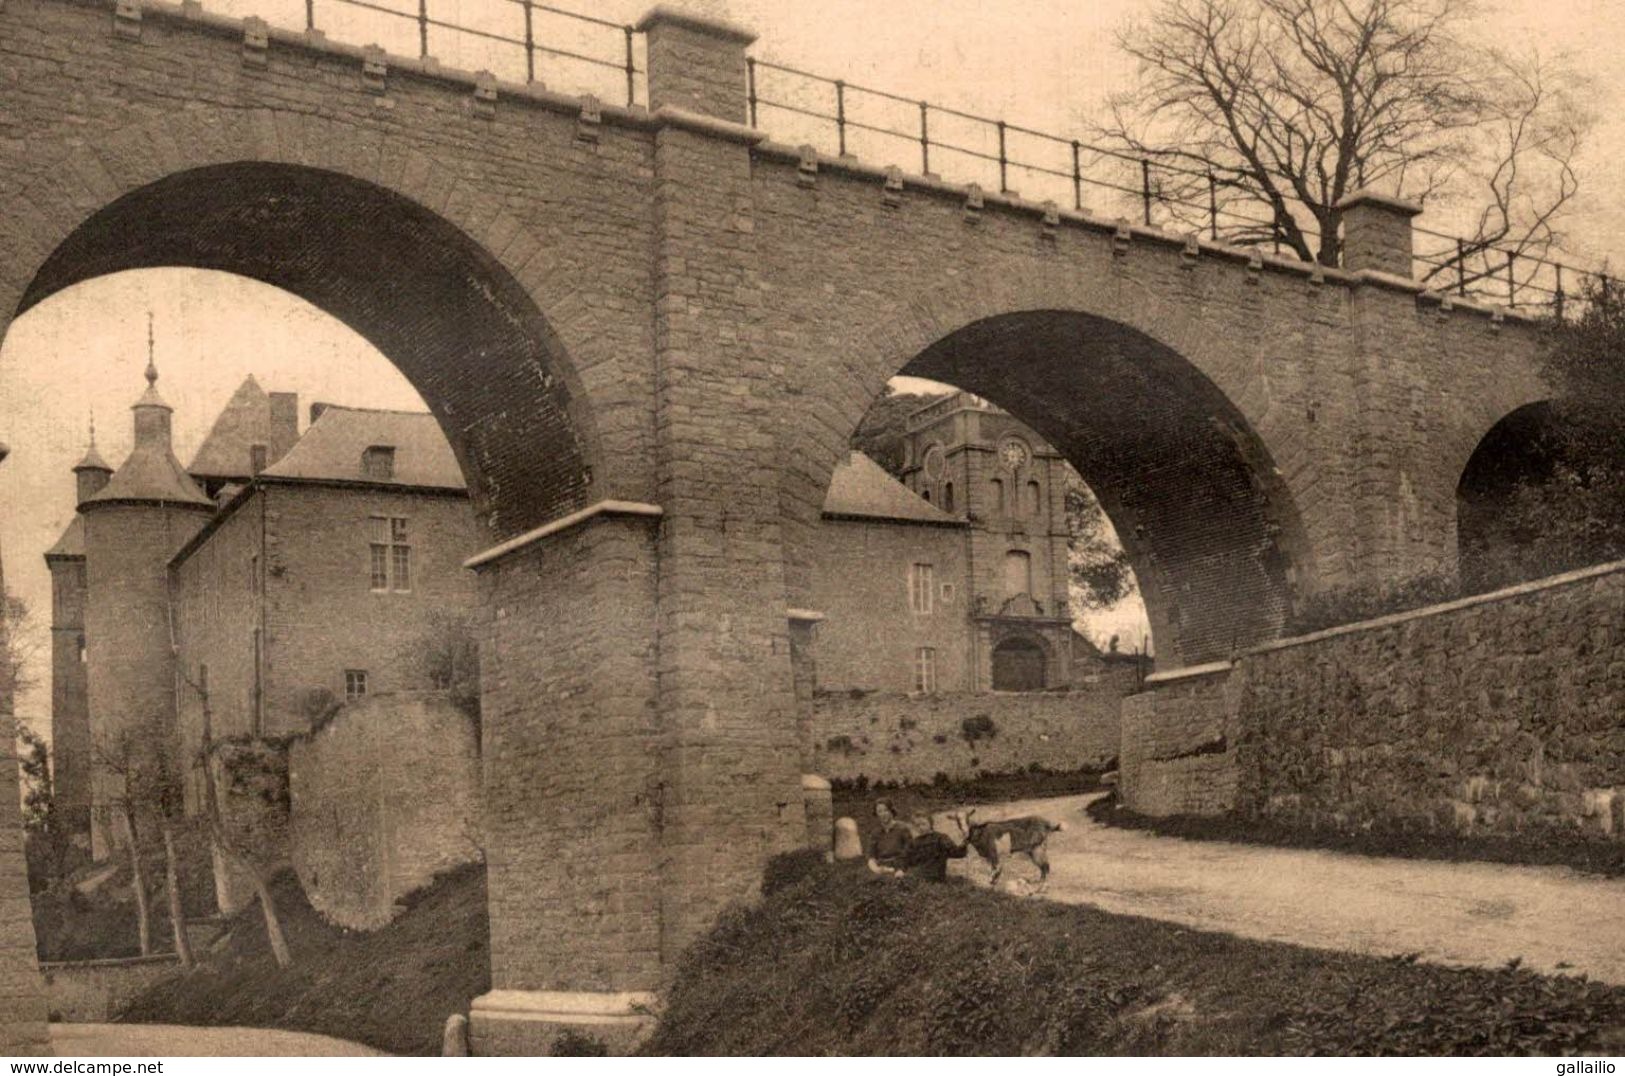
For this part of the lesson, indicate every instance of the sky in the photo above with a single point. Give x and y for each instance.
(1045, 64)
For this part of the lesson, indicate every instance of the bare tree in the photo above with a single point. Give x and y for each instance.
(1270, 112)
(231, 846)
(117, 755)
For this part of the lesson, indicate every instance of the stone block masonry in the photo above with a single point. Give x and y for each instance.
(884, 736)
(1498, 714)
(676, 313)
(383, 797)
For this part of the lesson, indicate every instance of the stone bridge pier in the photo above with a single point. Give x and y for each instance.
(649, 333)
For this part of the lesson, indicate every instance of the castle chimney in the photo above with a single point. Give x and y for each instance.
(316, 410)
(284, 423)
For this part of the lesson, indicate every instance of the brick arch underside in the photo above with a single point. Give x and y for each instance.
(1202, 512)
(458, 326)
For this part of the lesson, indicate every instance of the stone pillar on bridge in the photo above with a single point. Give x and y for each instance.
(1377, 233)
(730, 749)
(639, 706)
(22, 997)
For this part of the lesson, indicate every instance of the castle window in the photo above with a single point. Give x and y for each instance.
(257, 457)
(948, 497)
(921, 583)
(925, 670)
(378, 462)
(355, 684)
(81, 648)
(390, 567)
(998, 496)
(1035, 498)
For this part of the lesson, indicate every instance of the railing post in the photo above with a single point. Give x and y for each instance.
(632, 71)
(1004, 167)
(530, 43)
(750, 87)
(925, 139)
(840, 116)
(423, 29)
(1077, 177)
(1145, 188)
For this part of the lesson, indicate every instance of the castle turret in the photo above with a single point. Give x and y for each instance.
(70, 704)
(133, 524)
(92, 472)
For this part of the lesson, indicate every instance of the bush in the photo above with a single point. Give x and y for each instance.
(980, 727)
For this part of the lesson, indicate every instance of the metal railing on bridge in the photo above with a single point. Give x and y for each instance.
(533, 42)
(840, 117)
(522, 41)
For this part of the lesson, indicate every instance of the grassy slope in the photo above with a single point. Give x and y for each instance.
(1591, 854)
(392, 988)
(841, 962)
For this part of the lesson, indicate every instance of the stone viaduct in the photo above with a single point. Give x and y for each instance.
(650, 332)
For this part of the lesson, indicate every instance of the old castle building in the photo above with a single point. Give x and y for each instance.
(276, 576)
(955, 578)
(282, 578)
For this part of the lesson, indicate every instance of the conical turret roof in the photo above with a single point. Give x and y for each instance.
(93, 459)
(151, 474)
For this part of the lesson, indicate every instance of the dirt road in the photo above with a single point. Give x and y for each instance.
(1555, 919)
(164, 1040)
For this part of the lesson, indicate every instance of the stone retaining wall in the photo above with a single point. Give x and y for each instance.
(94, 991)
(384, 797)
(1499, 713)
(892, 737)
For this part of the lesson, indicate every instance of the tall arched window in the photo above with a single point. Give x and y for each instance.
(998, 496)
(947, 496)
(1035, 498)
(1018, 573)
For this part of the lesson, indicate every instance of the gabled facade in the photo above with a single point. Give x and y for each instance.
(955, 578)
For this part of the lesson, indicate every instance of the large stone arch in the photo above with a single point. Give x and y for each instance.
(448, 284)
(1174, 446)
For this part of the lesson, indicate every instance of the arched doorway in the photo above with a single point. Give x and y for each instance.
(1019, 665)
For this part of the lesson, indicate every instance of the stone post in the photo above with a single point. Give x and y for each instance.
(732, 781)
(22, 998)
(1377, 233)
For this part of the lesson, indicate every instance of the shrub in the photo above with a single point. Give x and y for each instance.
(980, 727)
(840, 745)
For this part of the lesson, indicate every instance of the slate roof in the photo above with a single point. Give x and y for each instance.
(245, 421)
(331, 449)
(152, 473)
(861, 487)
(72, 542)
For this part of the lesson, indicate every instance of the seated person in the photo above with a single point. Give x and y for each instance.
(892, 839)
(925, 853)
